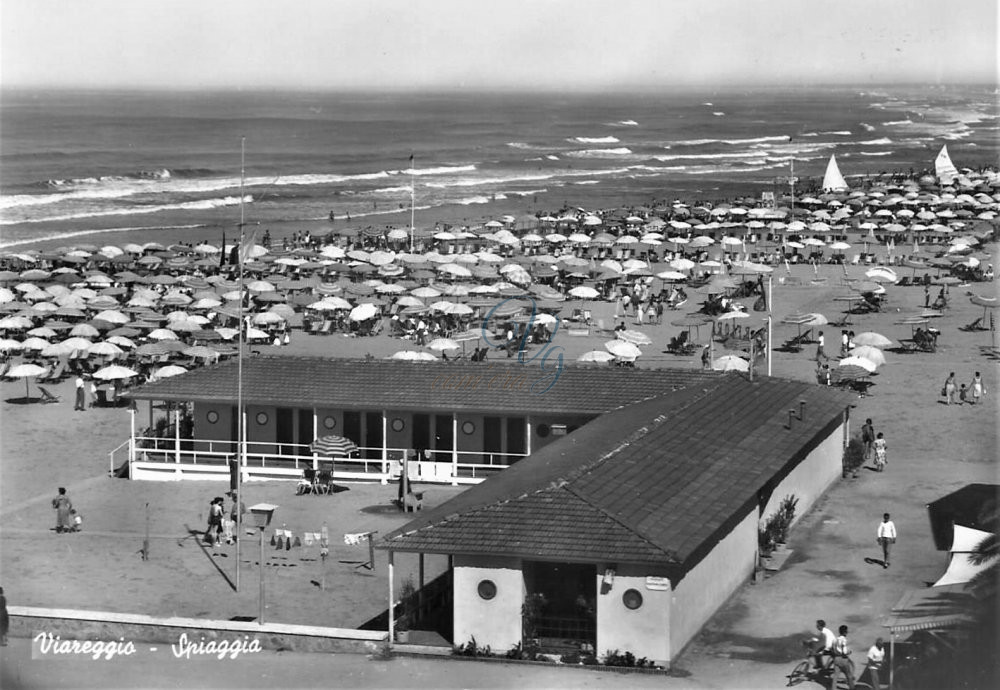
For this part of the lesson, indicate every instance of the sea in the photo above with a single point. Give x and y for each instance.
(76, 164)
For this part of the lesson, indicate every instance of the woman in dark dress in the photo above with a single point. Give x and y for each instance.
(62, 505)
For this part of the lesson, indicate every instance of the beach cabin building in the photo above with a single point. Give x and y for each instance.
(629, 533)
(461, 421)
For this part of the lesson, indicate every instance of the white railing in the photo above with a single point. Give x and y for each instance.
(290, 460)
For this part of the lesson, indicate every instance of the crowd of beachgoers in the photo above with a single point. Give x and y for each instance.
(133, 312)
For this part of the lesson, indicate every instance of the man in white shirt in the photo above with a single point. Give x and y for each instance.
(876, 657)
(886, 536)
(823, 644)
(79, 394)
(842, 659)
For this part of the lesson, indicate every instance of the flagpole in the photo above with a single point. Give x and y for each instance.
(413, 200)
(240, 431)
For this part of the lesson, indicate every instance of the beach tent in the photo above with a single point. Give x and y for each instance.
(833, 181)
(961, 568)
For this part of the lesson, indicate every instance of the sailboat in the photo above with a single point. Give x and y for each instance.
(833, 181)
(944, 168)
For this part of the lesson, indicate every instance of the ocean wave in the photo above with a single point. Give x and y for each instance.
(884, 141)
(392, 190)
(876, 153)
(442, 170)
(624, 123)
(93, 231)
(586, 182)
(552, 158)
(708, 156)
(694, 142)
(719, 113)
(199, 205)
(725, 170)
(867, 127)
(896, 123)
(595, 140)
(601, 153)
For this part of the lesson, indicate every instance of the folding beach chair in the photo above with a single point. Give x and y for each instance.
(48, 397)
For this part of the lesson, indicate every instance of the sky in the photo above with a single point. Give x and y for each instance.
(493, 44)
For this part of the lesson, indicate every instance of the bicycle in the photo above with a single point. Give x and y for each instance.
(804, 670)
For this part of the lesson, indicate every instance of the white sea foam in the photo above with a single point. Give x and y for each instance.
(552, 158)
(719, 113)
(600, 153)
(884, 141)
(94, 231)
(708, 156)
(876, 153)
(867, 127)
(443, 170)
(595, 140)
(585, 182)
(200, 205)
(897, 123)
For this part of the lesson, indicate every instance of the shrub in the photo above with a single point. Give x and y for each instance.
(526, 652)
(626, 660)
(854, 456)
(472, 648)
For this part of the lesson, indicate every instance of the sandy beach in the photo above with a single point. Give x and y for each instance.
(934, 449)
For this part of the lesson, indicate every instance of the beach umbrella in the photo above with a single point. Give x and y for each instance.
(200, 352)
(57, 350)
(413, 356)
(9, 345)
(881, 275)
(15, 323)
(872, 354)
(584, 292)
(865, 364)
(78, 343)
(872, 339)
(114, 372)
(730, 363)
(363, 312)
(634, 337)
(168, 371)
(104, 349)
(850, 372)
(267, 317)
(162, 334)
(622, 349)
(121, 341)
(681, 264)
(441, 344)
(26, 371)
(595, 356)
(34, 344)
(112, 316)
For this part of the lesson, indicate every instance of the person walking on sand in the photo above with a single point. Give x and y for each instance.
(842, 662)
(62, 506)
(976, 389)
(80, 394)
(820, 352)
(927, 296)
(868, 438)
(950, 388)
(886, 537)
(880, 452)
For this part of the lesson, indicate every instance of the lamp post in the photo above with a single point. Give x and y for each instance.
(262, 514)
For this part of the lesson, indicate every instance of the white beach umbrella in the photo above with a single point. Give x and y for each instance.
(623, 349)
(413, 356)
(595, 356)
(872, 354)
(114, 372)
(168, 371)
(584, 292)
(730, 363)
(363, 312)
(162, 334)
(862, 362)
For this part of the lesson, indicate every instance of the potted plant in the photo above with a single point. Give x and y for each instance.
(407, 595)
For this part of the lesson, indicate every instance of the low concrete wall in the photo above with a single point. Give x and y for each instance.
(70, 624)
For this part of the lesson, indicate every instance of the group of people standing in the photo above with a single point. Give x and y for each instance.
(837, 647)
(973, 393)
(67, 519)
(220, 526)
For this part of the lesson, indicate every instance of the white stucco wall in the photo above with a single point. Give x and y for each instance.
(811, 477)
(707, 586)
(641, 631)
(495, 622)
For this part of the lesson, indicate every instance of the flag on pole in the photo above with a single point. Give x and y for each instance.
(247, 245)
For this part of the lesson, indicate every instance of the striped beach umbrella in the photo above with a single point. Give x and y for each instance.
(333, 446)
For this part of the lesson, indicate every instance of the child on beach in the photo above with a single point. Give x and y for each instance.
(76, 521)
(963, 393)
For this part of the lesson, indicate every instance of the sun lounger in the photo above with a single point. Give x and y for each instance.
(48, 397)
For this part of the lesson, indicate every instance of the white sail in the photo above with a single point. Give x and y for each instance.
(944, 168)
(833, 181)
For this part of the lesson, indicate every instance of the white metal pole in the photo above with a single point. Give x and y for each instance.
(413, 197)
(241, 420)
(770, 319)
(392, 601)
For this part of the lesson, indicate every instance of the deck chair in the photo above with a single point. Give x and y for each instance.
(323, 481)
(47, 396)
(326, 328)
(856, 259)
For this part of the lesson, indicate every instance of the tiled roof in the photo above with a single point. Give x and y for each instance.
(674, 472)
(492, 386)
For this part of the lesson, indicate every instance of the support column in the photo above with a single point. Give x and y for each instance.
(243, 447)
(385, 447)
(315, 436)
(527, 435)
(131, 438)
(177, 434)
(420, 580)
(392, 602)
(454, 462)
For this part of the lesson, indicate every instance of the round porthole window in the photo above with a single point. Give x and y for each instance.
(468, 428)
(487, 589)
(212, 416)
(397, 424)
(632, 599)
(542, 430)
(329, 422)
(262, 418)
